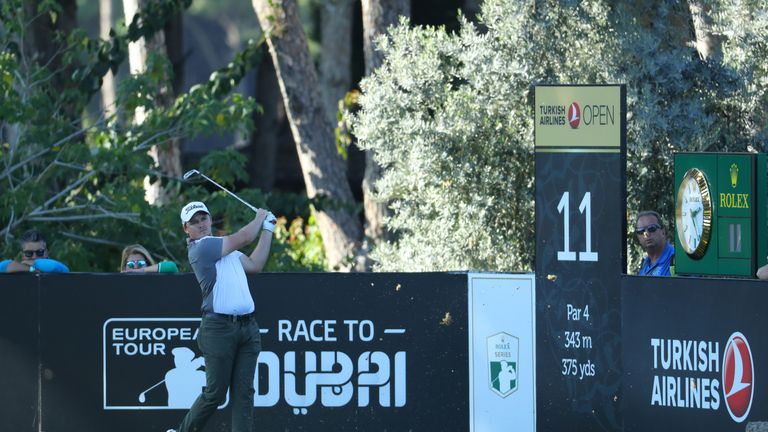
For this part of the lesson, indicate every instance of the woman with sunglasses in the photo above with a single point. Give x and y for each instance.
(34, 257)
(137, 259)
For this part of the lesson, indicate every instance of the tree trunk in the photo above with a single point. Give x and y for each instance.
(9, 133)
(174, 46)
(336, 57)
(137, 51)
(376, 19)
(264, 141)
(377, 16)
(167, 155)
(707, 44)
(108, 92)
(47, 49)
(323, 169)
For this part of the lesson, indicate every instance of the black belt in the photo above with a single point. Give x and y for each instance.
(233, 318)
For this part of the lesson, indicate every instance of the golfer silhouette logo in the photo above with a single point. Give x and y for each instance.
(184, 382)
(503, 366)
(506, 377)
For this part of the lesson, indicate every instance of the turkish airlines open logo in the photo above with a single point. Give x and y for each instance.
(574, 115)
(738, 377)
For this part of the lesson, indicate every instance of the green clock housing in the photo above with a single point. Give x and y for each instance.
(720, 214)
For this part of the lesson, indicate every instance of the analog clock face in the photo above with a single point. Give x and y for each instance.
(693, 215)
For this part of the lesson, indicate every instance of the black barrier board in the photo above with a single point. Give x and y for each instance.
(694, 354)
(76, 311)
(347, 352)
(19, 353)
(414, 327)
(580, 231)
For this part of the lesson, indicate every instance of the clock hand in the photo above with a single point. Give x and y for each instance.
(695, 228)
(695, 212)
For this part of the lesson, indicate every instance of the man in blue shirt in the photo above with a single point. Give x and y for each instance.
(34, 257)
(650, 233)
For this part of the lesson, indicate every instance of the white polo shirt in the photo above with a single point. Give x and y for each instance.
(222, 278)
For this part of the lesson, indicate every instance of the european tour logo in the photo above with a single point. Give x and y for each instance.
(152, 364)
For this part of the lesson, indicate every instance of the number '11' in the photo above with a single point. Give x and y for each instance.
(585, 207)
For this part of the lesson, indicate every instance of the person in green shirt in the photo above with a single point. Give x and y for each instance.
(137, 259)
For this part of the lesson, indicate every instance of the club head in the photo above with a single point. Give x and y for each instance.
(189, 174)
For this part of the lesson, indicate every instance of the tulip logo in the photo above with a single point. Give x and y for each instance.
(574, 115)
(738, 377)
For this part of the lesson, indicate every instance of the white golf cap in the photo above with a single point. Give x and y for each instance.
(190, 209)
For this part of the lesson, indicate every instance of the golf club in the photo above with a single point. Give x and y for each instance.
(142, 399)
(192, 172)
(189, 174)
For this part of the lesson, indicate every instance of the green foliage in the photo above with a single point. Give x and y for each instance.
(678, 102)
(449, 116)
(299, 246)
(225, 166)
(456, 173)
(82, 185)
(347, 106)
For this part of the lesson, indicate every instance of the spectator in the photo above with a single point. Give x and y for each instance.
(652, 237)
(137, 259)
(34, 257)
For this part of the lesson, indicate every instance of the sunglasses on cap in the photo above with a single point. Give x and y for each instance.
(650, 229)
(39, 253)
(135, 264)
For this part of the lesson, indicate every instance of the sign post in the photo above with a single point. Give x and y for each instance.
(580, 149)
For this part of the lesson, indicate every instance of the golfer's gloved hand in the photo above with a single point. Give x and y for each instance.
(269, 222)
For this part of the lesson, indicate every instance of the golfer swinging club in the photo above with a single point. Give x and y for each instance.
(229, 336)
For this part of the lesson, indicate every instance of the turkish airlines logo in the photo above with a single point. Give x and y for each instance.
(574, 115)
(738, 377)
